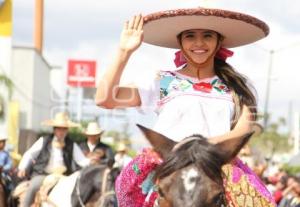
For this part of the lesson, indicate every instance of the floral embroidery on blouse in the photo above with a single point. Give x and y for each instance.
(169, 82)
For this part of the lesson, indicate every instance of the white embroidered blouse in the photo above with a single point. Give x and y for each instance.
(187, 106)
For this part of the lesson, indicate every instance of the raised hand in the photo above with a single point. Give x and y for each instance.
(132, 34)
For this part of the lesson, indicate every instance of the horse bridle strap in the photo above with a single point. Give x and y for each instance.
(103, 187)
(78, 191)
(104, 182)
(104, 194)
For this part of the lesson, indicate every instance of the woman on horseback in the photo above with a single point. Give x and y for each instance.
(204, 95)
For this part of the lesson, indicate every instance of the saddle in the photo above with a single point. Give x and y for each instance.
(49, 182)
(42, 195)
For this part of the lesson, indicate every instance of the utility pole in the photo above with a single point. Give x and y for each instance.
(266, 115)
(269, 74)
(296, 132)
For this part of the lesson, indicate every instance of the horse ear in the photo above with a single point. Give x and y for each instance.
(231, 146)
(161, 144)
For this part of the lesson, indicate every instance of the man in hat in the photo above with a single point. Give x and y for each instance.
(5, 165)
(5, 160)
(55, 153)
(94, 147)
(121, 158)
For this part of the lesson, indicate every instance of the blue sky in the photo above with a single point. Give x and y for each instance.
(89, 29)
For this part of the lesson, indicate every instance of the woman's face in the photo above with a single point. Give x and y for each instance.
(199, 44)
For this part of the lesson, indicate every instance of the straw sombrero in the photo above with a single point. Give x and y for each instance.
(121, 147)
(238, 29)
(60, 120)
(93, 129)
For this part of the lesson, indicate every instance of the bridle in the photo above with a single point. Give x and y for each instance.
(104, 193)
(160, 201)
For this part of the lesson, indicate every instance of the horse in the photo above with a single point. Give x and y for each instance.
(7, 182)
(191, 173)
(2, 195)
(89, 186)
(95, 186)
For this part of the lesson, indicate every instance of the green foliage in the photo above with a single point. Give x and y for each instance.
(118, 136)
(291, 170)
(2, 114)
(132, 153)
(8, 84)
(76, 135)
(271, 141)
(124, 137)
(4, 80)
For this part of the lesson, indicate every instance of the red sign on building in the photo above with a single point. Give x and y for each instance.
(81, 73)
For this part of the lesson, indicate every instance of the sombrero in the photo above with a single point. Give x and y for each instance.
(162, 28)
(121, 147)
(93, 129)
(61, 119)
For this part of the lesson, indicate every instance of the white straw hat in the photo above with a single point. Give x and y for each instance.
(121, 147)
(61, 119)
(93, 129)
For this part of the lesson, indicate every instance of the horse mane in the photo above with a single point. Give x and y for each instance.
(198, 151)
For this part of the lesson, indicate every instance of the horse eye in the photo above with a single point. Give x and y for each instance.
(219, 200)
(160, 192)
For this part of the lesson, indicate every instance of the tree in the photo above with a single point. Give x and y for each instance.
(8, 85)
(271, 141)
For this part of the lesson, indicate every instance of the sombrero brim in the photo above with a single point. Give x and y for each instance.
(94, 133)
(54, 123)
(238, 29)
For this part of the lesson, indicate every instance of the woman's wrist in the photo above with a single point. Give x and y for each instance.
(125, 53)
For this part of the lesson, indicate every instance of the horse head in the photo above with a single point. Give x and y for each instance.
(191, 174)
(94, 185)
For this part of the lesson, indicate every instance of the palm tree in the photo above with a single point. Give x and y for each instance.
(8, 84)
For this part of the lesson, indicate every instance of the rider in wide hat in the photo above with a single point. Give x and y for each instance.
(94, 147)
(54, 153)
(202, 95)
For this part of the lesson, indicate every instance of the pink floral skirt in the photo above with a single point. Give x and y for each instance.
(134, 186)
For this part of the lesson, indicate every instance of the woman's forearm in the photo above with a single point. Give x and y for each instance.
(108, 90)
(244, 125)
(108, 85)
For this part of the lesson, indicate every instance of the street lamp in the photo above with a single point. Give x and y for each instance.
(266, 116)
(269, 73)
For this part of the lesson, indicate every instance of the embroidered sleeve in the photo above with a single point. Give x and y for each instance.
(149, 93)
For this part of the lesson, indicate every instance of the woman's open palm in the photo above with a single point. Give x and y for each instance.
(132, 34)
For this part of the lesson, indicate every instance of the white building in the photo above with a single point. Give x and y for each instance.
(30, 74)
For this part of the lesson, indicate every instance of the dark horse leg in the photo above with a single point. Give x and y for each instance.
(2, 196)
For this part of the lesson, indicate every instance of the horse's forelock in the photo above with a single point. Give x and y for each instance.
(197, 151)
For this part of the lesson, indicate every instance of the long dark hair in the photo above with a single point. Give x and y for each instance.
(237, 83)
